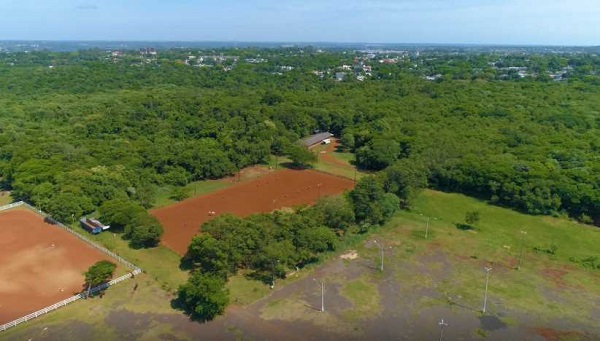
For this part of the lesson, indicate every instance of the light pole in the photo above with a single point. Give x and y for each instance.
(442, 325)
(273, 273)
(427, 228)
(523, 233)
(381, 254)
(487, 278)
(322, 294)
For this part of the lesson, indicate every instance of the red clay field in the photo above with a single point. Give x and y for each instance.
(40, 264)
(285, 188)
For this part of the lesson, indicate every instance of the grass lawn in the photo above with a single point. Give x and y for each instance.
(498, 235)
(363, 295)
(549, 286)
(5, 198)
(159, 263)
(339, 171)
(193, 189)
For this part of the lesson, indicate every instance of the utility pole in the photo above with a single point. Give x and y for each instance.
(427, 228)
(322, 294)
(523, 233)
(487, 278)
(442, 325)
(381, 254)
(273, 273)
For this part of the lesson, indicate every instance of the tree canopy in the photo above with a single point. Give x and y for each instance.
(99, 273)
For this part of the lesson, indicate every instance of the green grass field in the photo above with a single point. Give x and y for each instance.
(196, 188)
(344, 168)
(459, 274)
(498, 234)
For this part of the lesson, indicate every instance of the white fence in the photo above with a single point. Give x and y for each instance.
(71, 299)
(9, 206)
(89, 242)
(66, 301)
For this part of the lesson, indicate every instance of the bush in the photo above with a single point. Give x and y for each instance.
(144, 232)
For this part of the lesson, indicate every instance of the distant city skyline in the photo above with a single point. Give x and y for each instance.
(497, 22)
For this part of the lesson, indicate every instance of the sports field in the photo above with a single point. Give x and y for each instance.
(285, 188)
(41, 264)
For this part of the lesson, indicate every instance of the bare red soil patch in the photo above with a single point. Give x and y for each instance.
(556, 276)
(558, 335)
(285, 188)
(41, 264)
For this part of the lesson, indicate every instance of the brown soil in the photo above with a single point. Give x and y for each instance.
(41, 264)
(558, 335)
(555, 276)
(285, 188)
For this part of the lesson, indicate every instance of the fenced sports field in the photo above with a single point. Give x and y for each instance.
(42, 264)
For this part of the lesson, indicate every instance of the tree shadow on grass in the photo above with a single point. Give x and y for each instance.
(311, 307)
(178, 304)
(185, 264)
(465, 227)
(266, 278)
(294, 166)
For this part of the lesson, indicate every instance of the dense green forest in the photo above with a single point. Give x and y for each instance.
(93, 128)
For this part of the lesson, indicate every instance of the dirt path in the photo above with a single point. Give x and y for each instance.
(328, 157)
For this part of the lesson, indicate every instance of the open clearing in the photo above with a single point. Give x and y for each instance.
(279, 189)
(424, 280)
(41, 263)
(334, 160)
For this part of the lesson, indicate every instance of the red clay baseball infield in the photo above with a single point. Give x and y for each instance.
(40, 264)
(285, 188)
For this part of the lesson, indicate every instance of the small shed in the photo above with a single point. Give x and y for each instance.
(317, 139)
(92, 225)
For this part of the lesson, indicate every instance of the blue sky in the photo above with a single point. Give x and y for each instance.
(562, 22)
